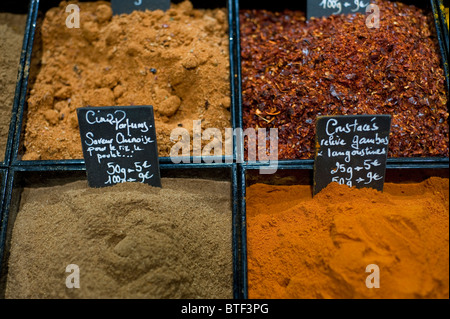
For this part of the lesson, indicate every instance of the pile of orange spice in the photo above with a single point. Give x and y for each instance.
(301, 246)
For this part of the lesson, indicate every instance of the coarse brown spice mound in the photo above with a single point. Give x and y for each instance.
(294, 70)
(177, 61)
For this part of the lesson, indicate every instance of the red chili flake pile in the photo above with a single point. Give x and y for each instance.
(294, 70)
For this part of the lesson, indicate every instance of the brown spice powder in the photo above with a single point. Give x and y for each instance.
(12, 29)
(129, 241)
(303, 247)
(177, 61)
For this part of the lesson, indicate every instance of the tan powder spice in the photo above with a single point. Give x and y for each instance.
(12, 29)
(177, 61)
(129, 241)
(304, 247)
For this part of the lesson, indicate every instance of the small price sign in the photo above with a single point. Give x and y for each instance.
(119, 145)
(128, 6)
(320, 8)
(351, 150)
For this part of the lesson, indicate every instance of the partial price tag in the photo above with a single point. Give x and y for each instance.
(320, 8)
(128, 6)
(351, 150)
(119, 145)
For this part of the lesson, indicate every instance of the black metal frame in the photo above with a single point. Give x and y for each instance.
(3, 180)
(242, 178)
(392, 163)
(405, 162)
(15, 183)
(27, 6)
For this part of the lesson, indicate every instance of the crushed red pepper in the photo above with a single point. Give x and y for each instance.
(294, 70)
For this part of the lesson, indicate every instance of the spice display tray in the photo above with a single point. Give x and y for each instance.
(235, 84)
(442, 34)
(17, 7)
(299, 175)
(392, 162)
(40, 8)
(42, 176)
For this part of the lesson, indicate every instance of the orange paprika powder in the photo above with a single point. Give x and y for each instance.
(304, 247)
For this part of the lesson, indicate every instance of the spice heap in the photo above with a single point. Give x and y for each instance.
(303, 247)
(12, 28)
(293, 71)
(177, 61)
(129, 241)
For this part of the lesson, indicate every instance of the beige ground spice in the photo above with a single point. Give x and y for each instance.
(12, 28)
(129, 241)
(177, 61)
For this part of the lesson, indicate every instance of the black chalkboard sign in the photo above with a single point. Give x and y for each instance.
(351, 150)
(128, 6)
(320, 8)
(119, 145)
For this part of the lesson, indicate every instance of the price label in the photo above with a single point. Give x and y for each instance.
(320, 8)
(119, 145)
(128, 6)
(351, 150)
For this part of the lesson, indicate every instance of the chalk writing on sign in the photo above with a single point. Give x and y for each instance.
(351, 150)
(128, 6)
(320, 8)
(119, 145)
